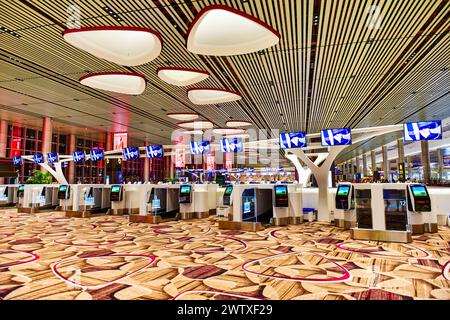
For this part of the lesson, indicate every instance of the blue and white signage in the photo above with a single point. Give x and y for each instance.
(78, 156)
(52, 157)
(96, 154)
(200, 147)
(17, 160)
(131, 153)
(425, 130)
(38, 158)
(336, 137)
(156, 151)
(292, 140)
(231, 145)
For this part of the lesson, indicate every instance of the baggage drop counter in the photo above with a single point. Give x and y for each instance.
(196, 201)
(8, 195)
(392, 212)
(38, 197)
(158, 203)
(127, 198)
(89, 200)
(258, 205)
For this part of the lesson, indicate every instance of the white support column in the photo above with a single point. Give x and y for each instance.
(305, 174)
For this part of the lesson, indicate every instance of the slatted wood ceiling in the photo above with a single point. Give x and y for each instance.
(334, 74)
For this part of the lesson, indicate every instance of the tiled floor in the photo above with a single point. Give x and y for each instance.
(48, 256)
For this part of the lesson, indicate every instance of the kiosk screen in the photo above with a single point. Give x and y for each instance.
(116, 193)
(342, 197)
(227, 196)
(185, 194)
(281, 196)
(20, 190)
(228, 190)
(62, 192)
(422, 201)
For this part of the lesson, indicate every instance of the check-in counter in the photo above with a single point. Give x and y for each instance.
(392, 212)
(132, 199)
(89, 200)
(196, 200)
(8, 195)
(440, 204)
(38, 197)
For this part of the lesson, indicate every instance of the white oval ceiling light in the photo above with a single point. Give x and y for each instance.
(228, 131)
(197, 125)
(188, 132)
(238, 123)
(181, 76)
(183, 116)
(203, 96)
(127, 46)
(120, 82)
(219, 30)
(239, 135)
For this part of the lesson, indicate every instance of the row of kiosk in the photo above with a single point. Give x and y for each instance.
(381, 212)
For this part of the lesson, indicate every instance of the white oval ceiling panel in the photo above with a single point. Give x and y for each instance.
(183, 116)
(239, 135)
(192, 132)
(181, 76)
(238, 123)
(229, 131)
(120, 82)
(197, 125)
(127, 46)
(219, 30)
(203, 96)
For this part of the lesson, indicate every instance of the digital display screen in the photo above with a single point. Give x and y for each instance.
(38, 158)
(280, 190)
(115, 189)
(228, 190)
(250, 169)
(17, 160)
(231, 145)
(336, 137)
(78, 156)
(21, 187)
(96, 154)
(185, 189)
(200, 147)
(131, 153)
(63, 188)
(343, 191)
(425, 130)
(419, 191)
(247, 207)
(52, 157)
(156, 203)
(292, 140)
(155, 151)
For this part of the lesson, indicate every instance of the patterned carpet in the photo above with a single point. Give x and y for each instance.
(48, 256)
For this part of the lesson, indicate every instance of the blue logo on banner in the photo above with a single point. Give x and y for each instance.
(156, 151)
(96, 154)
(425, 130)
(17, 160)
(131, 153)
(38, 158)
(336, 137)
(78, 156)
(52, 157)
(231, 145)
(292, 140)
(200, 147)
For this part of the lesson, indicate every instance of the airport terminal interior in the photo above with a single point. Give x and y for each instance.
(224, 150)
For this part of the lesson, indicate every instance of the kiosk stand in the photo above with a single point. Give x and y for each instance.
(186, 204)
(280, 205)
(226, 209)
(64, 197)
(344, 214)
